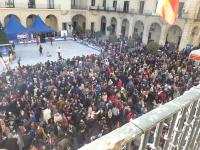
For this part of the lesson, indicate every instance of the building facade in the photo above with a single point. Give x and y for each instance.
(124, 16)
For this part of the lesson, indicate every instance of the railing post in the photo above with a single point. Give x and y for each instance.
(195, 129)
(145, 138)
(157, 133)
(169, 135)
(177, 131)
(187, 126)
(197, 145)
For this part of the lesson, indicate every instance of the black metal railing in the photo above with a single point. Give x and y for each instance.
(78, 7)
(9, 4)
(30, 5)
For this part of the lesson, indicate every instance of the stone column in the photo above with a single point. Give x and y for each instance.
(186, 35)
(131, 27)
(145, 33)
(196, 40)
(163, 34)
(23, 20)
(119, 27)
(87, 21)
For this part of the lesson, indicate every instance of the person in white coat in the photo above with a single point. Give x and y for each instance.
(59, 52)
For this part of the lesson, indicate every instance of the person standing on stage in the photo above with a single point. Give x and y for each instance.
(59, 52)
(40, 50)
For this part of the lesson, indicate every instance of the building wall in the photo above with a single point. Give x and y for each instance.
(188, 24)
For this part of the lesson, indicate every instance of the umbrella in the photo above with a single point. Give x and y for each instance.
(195, 55)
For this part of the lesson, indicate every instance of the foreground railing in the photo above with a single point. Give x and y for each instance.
(181, 118)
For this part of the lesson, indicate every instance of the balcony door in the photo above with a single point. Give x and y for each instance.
(92, 2)
(50, 4)
(141, 9)
(126, 6)
(10, 3)
(104, 4)
(31, 4)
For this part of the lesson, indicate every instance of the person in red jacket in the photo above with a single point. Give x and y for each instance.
(130, 116)
(119, 84)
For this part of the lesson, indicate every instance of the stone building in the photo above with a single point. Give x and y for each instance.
(125, 17)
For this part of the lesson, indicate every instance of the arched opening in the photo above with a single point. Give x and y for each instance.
(52, 22)
(79, 20)
(194, 37)
(29, 20)
(103, 24)
(139, 29)
(113, 24)
(174, 36)
(154, 33)
(6, 19)
(125, 28)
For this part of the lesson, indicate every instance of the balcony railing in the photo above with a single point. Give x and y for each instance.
(121, 10)
(111, 9)
(9, 4)
(31, 5)
(93, 7)
(78, 7)
(26, 5)
(173, 126)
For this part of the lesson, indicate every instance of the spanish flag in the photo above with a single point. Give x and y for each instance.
(168, 10)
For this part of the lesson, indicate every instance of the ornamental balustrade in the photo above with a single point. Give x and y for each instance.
(172, 126)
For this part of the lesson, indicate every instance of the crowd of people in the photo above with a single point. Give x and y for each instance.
(68, 103)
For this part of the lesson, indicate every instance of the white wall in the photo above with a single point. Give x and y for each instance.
(65, 4)
(149, 6)
(21, 3)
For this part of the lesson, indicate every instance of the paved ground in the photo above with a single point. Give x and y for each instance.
(30, 54)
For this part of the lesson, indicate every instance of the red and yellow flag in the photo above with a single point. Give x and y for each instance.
(168, 10)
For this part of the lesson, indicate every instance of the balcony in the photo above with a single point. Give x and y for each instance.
(111, 9)
(9, 4)
(122, 10)
(28, 5)
(93, 7)
(31, 5)
(101, 8)
(79, 7)
(173, 126)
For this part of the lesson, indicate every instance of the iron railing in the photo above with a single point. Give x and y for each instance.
(78, 7)
(178, 120)
(27, 5)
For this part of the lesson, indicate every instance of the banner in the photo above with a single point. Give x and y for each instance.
(22, 36)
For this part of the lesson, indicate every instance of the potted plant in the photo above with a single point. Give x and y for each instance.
(152, 47)
(112, 38)
(98, 34)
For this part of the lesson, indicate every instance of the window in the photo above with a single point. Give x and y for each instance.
(115, 5)
(198, 15)
(141, 9)
(10, 3)
(31, 4)
(73, 2)
(93, 3)
(64, 26)
(104, 4)
(92, 27)
(126, 6)
(50, 4)
(180, 9)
